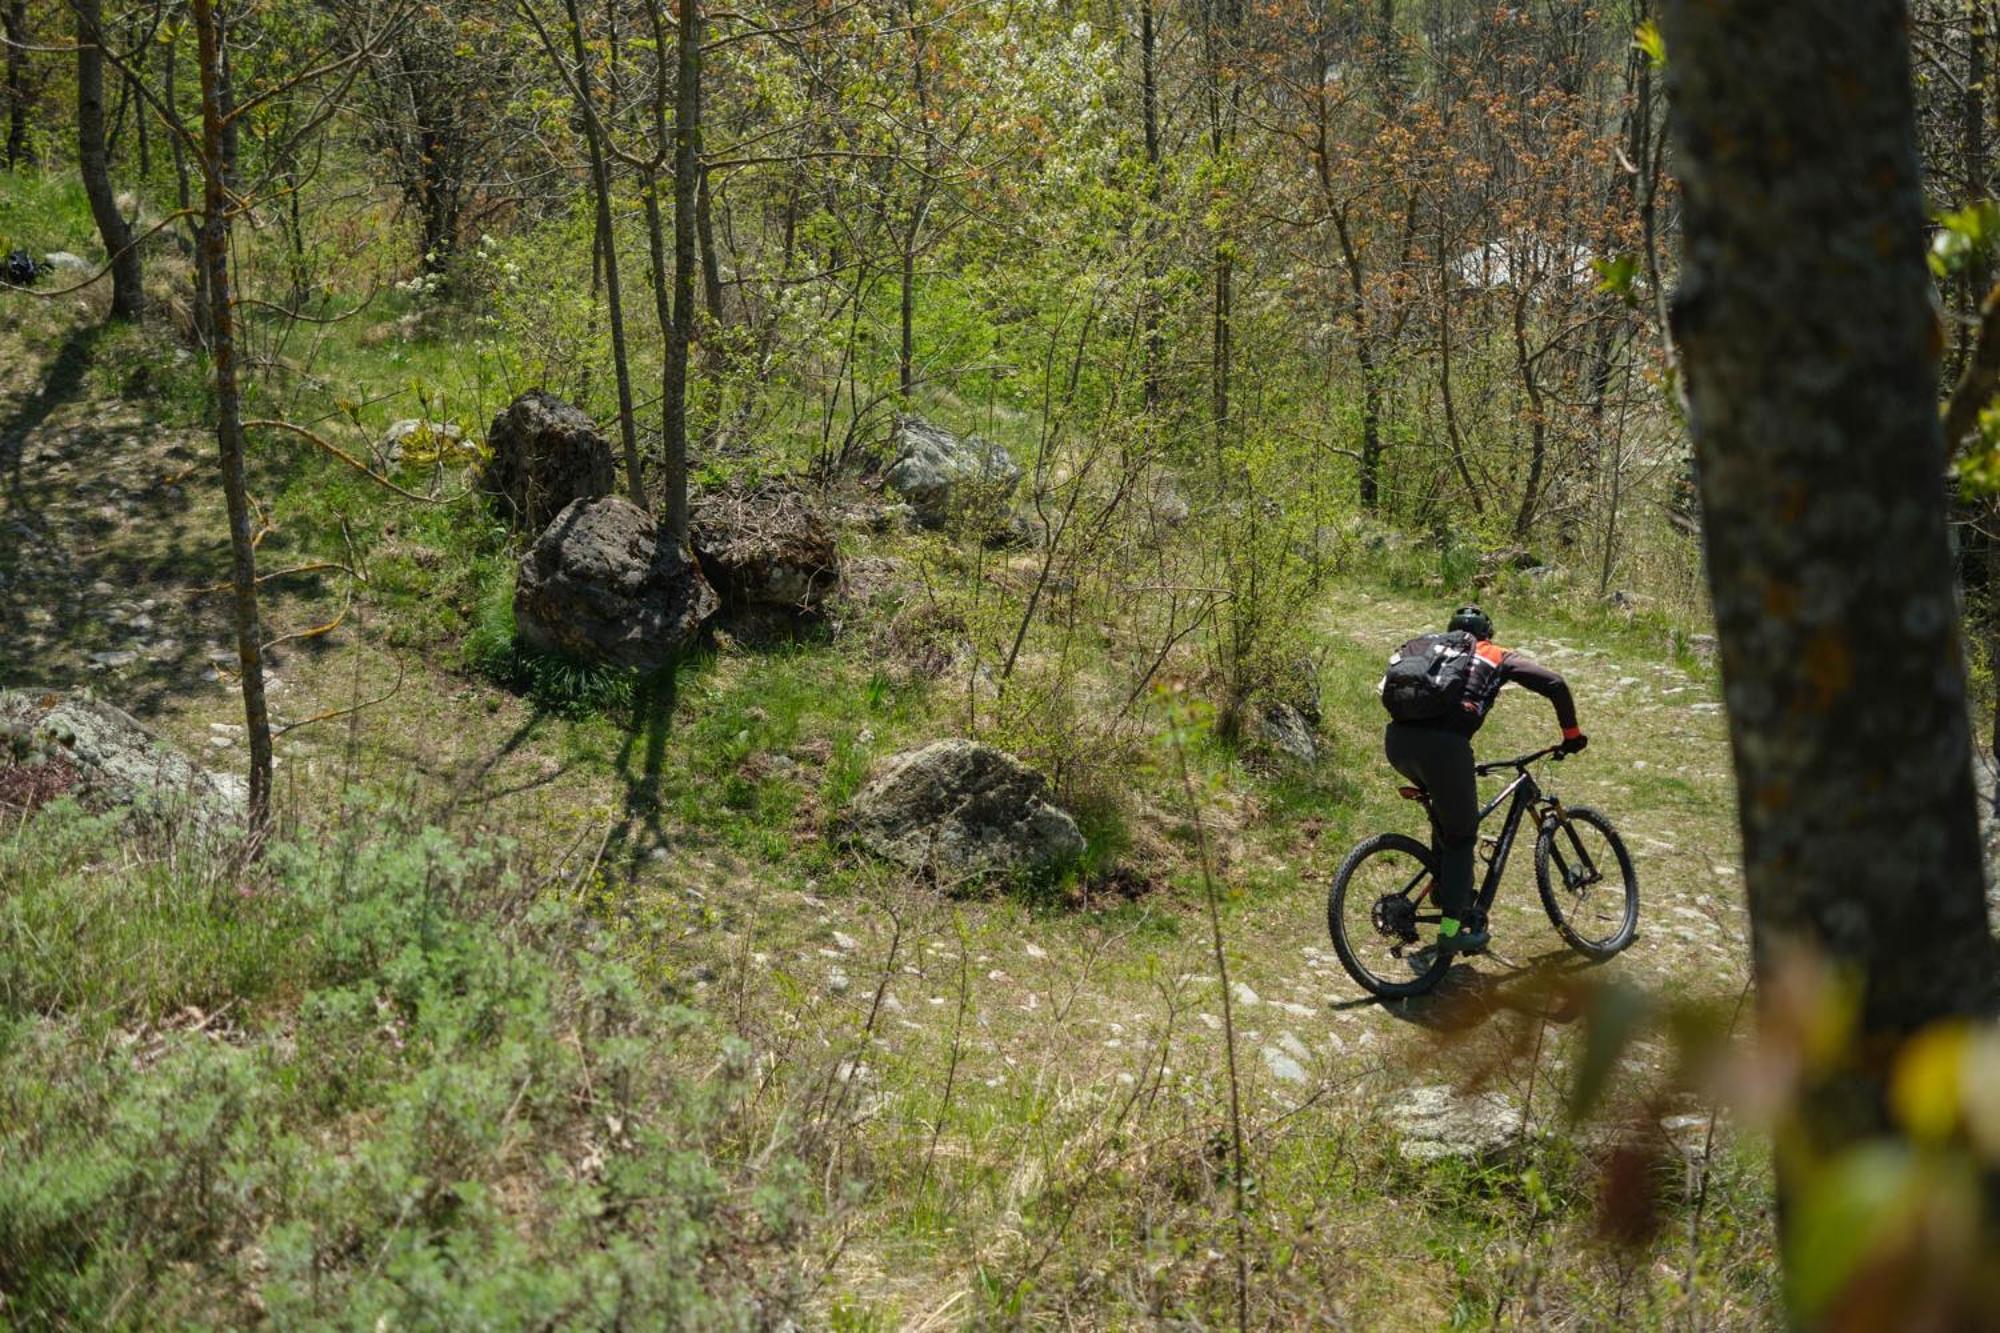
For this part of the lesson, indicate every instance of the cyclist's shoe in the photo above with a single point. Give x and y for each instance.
(1457, 938)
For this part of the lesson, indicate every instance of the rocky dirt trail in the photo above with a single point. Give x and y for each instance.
(1074, 1015)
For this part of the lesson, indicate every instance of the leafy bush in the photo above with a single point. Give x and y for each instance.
(338, 1091)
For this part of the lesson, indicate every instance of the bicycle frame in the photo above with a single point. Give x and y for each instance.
(1526, 795)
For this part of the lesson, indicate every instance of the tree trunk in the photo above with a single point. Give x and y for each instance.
(1218, 17)
(216, 219)
(1810, 351)
(711, 258)
(1538, 420)
(14, 26)
(1149, 109)
(128, 296)
(687, 184)
(600, 178)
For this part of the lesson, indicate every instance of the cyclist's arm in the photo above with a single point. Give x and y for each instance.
(1549, 684)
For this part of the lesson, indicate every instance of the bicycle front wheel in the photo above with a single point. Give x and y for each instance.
(1379, 912)
(1587, 883)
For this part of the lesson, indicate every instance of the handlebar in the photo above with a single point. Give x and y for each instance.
(1554, 752)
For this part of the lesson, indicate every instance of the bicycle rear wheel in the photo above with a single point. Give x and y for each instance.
(1587, 883)
(1375, 914)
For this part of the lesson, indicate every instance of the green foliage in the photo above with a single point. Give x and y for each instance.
(1964, 235)
(1618, 275)
(1977, 467)
(409, 1111)
(1648, 38)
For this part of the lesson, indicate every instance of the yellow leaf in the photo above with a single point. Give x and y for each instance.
(1926, 1089)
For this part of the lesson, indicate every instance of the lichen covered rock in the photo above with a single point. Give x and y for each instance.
(546, 453)
(600, 586)
(958, 810)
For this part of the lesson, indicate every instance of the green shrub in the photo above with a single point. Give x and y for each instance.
(407, 1112)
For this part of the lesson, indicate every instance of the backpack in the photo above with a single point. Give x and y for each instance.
(1426, 677)
(21, 269)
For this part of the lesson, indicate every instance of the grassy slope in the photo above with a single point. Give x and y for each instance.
(1072, 1169)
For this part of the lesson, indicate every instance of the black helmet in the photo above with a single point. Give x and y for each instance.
(1473, 621)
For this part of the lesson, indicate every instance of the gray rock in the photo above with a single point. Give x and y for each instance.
(62, 261)
(546, 454)
(600, 586)
(960, 810)
(118, 761)
(1285, 729)
(765, 546)
(1436, 1122)
(1703, 646)
(944, 476)
(1284, 1067)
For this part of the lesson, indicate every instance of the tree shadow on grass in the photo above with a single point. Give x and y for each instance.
(640, 833)
(63, 384)
(89, 530)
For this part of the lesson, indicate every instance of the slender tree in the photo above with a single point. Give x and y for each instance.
(687, 186)
(596, 138)
(128, 295)
(14, 33)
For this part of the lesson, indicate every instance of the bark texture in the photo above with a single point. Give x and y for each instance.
(128, 297)
(217, 158)
(14, 27)
(1810, 352)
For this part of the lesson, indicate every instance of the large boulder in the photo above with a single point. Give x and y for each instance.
(765, 547)
(546, 453)
(945, 476)
(959, 811)
(74, 744)
(600, 586)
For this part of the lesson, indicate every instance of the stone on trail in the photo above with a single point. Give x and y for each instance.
(959, 810)
(599, 585)
(765, 546)
(116, 761)
(1283, 1066)
(1436, 1122)
(944, 475)
(546, 454)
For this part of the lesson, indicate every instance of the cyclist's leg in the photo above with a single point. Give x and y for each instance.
(1442, 762)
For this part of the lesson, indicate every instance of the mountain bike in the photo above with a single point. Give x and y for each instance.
(1377, 909)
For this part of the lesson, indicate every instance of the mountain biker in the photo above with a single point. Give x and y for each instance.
(1436, 754)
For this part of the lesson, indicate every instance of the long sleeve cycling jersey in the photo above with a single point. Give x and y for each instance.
(1493, 667)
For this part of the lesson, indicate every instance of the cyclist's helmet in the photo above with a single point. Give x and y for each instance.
(1473, 621)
